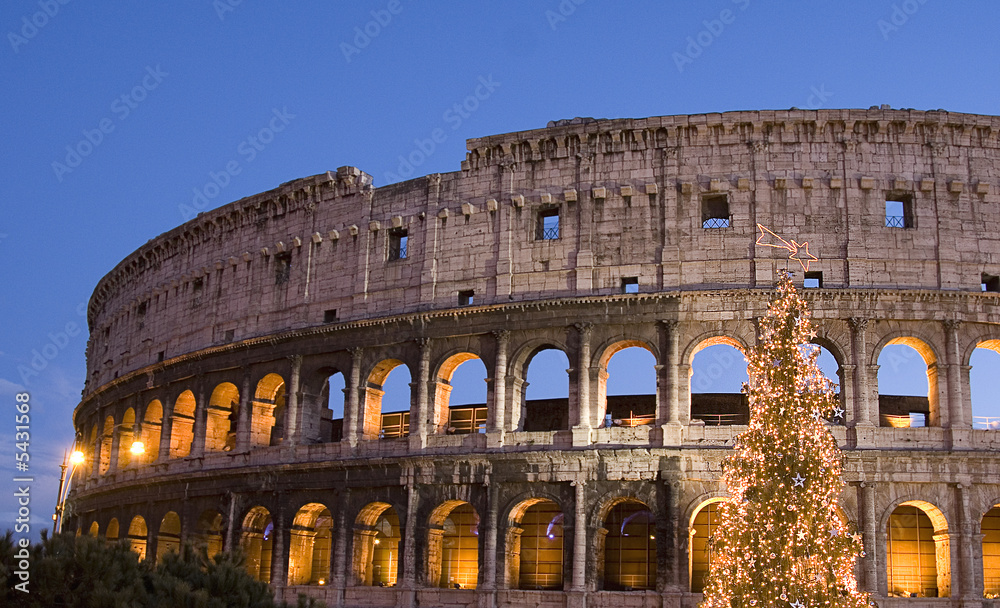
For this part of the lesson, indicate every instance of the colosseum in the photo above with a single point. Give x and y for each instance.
(221, 344)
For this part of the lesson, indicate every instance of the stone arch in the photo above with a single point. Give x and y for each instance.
(113, 530)
(138, 535)
(535, 544)
(221, 421)
(974, 381)
(168, 540)
(701, 524)
(377, 535)
(208, 531)
(372, 420)
(182, 425)
(918, 552)
(625, 543)
(453, 546)
(894, 411)
(257, 542)
(533, 418)
(267, 413)
(107, 442)
(126, 438)
(310, 545)
(466, 420)
(716, 409)
(328, 402)
(95, 529)
(639, 411)
(152, 423)
(989, 527)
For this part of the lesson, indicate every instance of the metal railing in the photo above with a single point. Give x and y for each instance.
(715, 222)
(986, 422)
(397, 250)
(895, 221)
(550, 233)
(718, 419)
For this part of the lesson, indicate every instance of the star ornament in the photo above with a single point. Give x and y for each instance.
(798, 480)
(796, 251)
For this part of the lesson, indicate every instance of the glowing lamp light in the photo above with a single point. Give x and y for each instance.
(322, 582)
(552, 535)
(138, 448)
(377, 541)
(76, 458)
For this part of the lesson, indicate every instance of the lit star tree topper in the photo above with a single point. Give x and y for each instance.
(781, 542)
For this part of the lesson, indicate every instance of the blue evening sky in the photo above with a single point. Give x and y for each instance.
(118, 114)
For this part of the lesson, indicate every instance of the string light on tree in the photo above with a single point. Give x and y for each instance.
(781, 542)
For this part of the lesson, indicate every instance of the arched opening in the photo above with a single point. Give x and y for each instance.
(137, 535)
(310, 544)
(95, 530)
(629, 539)
(907, 384)
(718, 373)
(332, 416)
(535, 545)
(545, 406)
(257, 542)
(700, 530)
(111, 534)
(376, 546)
(918, 555)
(627, 385)
(453, 546)
(107, 441)
(208, 532)
(460, 395)
(990, 528)
(267, 420)
(223, 413)
(182, 425)
(169, 538)
(985, 362)
(387, 401)
(152, 422)
(126, 438)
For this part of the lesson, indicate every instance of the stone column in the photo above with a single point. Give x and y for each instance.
(584, 408)
(668, 375)
(293, 402)
(967, 587)
(490, 544)
(869, 522)
(279, 549)
(166, 428)
(116, 435)
(579, 582)
(498, 414)
(245, 415)
(863, 408)
(352, 405)
(200, 421)
(230, 524)
(338, 571)
(420, 418)
(953, 363)
(409, 543)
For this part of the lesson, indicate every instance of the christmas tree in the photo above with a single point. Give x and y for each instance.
(781, 542)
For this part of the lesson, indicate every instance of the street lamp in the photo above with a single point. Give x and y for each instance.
(70, 460)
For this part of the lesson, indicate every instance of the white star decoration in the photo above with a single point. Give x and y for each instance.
(798, 604)
(804, 258)
(799, 480)
(838, 413)
(817, 415)
(833, 531)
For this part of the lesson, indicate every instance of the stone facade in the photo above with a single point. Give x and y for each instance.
(213, 344)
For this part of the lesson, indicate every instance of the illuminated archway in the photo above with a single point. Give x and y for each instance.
(126, 436)
(466, 373)
(376, 546)
(137, 536)
(907, 383)
(208, 532)
(267, 413)
(310, 544)
(152, 423)
(169, 538)
(990, 528)
(112, 531)
(223, 412)
(535, 545)
(387, 401)
(626, 372)
(918, 556)
(107, 441)
(95, 530)
(453, 546)
(182, 425)
(257, 542)
(703, 524)
(629, 538)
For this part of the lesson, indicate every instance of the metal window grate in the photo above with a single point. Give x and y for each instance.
(550, 233)
(895, 221)
(716, 222)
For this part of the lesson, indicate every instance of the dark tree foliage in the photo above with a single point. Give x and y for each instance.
(84, 572)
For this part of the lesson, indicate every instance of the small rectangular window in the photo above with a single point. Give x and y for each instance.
(398, 241)
(466, 297)
(159, 356)
(330, 316)
(230, 334)
(282, 268)
(630, 284)
(990, 283)
(813, 279)
(548, 225)
(899, 211)
(715, 212)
